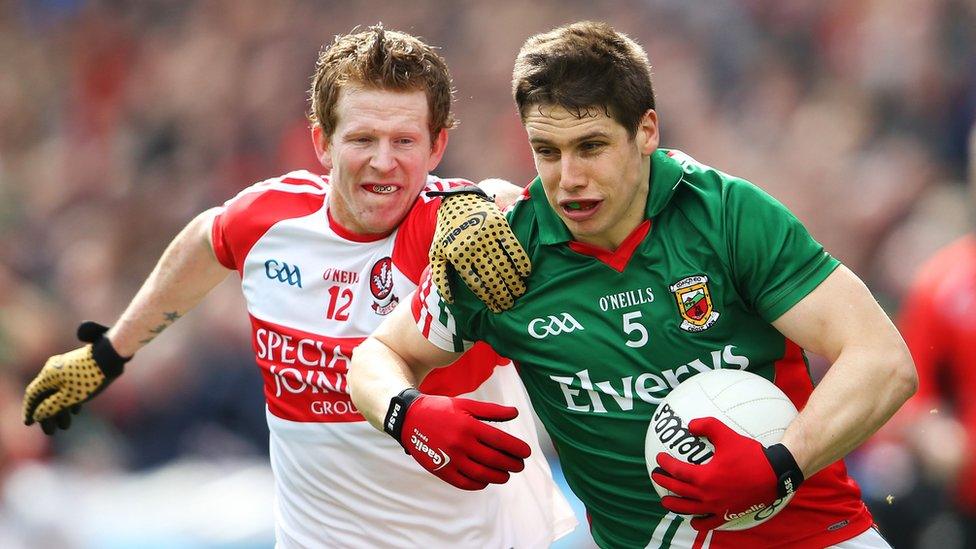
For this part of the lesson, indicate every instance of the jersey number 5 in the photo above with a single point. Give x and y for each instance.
(631, 326)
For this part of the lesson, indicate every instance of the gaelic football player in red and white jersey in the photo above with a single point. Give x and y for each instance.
(323, 259)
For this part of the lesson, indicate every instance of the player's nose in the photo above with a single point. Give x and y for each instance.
(383, 159)
(571, 174)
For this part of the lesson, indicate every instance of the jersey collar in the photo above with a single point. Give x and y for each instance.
(666, 174)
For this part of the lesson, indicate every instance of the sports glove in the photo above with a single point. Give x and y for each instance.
(448, 437)
(70, 379)
(473, 236)
(740, 475)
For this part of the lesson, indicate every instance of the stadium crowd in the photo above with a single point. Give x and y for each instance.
(120, 120)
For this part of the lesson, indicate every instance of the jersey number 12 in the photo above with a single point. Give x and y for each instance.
(337, 310)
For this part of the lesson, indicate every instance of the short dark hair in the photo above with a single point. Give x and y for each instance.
(581, 66)
(381, 59)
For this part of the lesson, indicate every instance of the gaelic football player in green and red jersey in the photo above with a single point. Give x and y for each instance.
(649, 267)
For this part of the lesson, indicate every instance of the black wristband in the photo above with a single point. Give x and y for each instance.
(467, 189)
(788, 473)
(397, 412)
(106, 357)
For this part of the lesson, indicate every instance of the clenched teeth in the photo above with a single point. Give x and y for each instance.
(383, 189)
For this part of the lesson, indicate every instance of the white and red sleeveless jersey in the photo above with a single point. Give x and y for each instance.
(314, 291)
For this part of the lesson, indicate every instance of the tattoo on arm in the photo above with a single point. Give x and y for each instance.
(170, 318)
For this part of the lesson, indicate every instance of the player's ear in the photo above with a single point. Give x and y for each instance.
(323, 146)
(647, 136)
(437, 149)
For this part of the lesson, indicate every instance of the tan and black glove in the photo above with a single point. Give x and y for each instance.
(68, 380)
(474, 238)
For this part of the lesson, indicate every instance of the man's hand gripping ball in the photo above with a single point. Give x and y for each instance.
(741, 477)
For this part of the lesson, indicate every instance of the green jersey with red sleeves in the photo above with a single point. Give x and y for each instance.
(601, 337)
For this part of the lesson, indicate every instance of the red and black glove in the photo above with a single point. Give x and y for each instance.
(740, 475)
(448, 437)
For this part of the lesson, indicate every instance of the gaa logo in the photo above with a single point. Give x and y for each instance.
(541, 328)
(283, 272)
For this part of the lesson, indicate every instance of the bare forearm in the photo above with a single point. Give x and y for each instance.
(860, 392)
(376, 375)
(394, 358)
(871, 376)
(185, 273)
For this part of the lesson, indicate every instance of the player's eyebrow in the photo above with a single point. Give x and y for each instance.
(596, 134)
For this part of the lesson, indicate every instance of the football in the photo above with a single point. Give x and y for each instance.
(749, 404)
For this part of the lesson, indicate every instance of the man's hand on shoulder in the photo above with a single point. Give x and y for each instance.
(68, 380)
(474, 238)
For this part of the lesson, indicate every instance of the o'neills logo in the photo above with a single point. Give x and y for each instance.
(438, 457)
(673, 433)
(474, 220)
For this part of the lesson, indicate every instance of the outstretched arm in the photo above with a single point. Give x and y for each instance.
(185, 273)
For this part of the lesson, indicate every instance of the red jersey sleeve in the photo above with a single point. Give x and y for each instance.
(416, 233)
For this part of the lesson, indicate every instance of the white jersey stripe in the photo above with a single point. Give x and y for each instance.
(657, 537)
(686, 536)
(316, 185)
(435, 320)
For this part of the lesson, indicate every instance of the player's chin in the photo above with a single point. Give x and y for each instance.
(589, 228)
(385, 220)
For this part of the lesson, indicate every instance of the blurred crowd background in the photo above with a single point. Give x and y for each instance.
(119, 121)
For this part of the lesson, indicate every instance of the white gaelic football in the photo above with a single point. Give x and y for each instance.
(749, 404)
